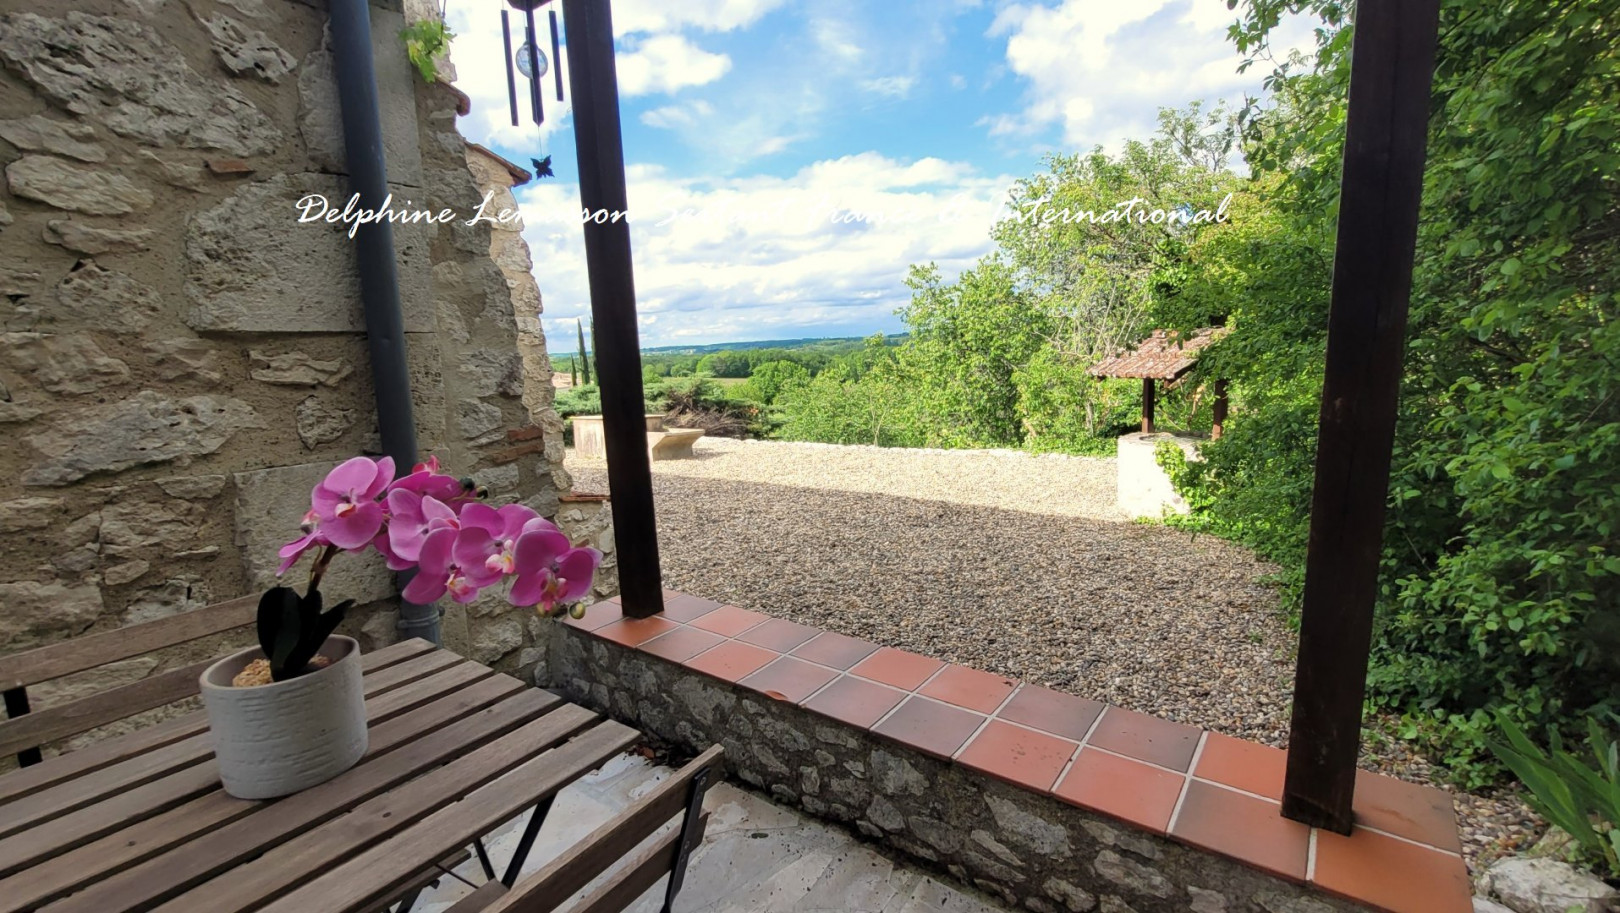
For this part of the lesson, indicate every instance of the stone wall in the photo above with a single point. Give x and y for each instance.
(183, 360)
(1033, 851)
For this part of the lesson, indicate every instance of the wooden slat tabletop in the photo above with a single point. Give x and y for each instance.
(139, 822)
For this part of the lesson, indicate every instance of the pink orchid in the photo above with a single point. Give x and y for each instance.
(438, 572)
(504, 526)
(549, 570)
(313, 538)
(347, 504)
(426, 480)
(411, 517)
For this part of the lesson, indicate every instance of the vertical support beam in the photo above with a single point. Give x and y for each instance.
(1218, 411)
(1147, 405)
(1391, 76)
(600, 147)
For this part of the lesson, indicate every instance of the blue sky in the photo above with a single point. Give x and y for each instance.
(770, 122)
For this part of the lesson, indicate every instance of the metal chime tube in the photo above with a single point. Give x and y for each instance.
(511, 77)
(534, 70)
(556, 55)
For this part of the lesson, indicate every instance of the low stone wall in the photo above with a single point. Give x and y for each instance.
(1145, 490)
(1024, 845)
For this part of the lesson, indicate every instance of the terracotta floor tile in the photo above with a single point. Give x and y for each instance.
(969, 688)
(633, 632)
(596, 616)
(728, 620)
(1146, 738)
(681, 644)
(789, 679)
(1392, 874)
(855, 701)
(1420, 813)
(1248, 766)
(684, 608)
(1243, 827)
(1052, 711)
(1022, 756)
(836, 650)
(928, 726)
(731, 660)
(1126, 789)
(897, 667)
(778, 634)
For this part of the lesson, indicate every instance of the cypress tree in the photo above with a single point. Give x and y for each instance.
(573, 372)
(585, 360)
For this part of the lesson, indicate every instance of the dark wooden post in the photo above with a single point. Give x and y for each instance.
(1218, 412)
(1391, 75)
(600, 147)
(1147, 405)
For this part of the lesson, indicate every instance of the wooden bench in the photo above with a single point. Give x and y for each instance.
(674, 444)
(678, 798)
(25, 732)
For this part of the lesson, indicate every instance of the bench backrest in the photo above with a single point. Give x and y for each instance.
(678, 797)
(24, 732)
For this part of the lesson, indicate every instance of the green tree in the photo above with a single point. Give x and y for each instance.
(584, 355)
(771, 379)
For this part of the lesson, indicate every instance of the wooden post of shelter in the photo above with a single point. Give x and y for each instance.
(1218, 411)
(600, 147)
(1147, 405)
(1391, 76)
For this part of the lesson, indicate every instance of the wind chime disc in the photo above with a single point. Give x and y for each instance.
(523, 61)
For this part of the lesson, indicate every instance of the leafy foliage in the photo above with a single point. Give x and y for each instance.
(1500, 563)
(1583, 801)
(426, 43)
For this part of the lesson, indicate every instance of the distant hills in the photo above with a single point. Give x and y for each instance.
(806, 343)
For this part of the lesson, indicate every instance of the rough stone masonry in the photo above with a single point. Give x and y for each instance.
(183, 360)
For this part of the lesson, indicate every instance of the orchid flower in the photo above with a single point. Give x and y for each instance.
(550, 571)
(438, 572)
(346, 501)
(313, 538)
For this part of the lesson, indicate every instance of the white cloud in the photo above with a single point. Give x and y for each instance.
(1101, 69)
(891, 86)
(631, 16)
(667, 63)
(753, 257)
(671, 117)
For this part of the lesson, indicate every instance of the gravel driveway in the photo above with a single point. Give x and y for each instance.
(1005, 561)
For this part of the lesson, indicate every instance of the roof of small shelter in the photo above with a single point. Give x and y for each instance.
(519, 175)
(1166, 355)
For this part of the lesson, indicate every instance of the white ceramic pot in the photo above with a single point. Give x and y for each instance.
(272, 740)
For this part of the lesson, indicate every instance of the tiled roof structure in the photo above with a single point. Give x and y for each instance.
(1166, 355)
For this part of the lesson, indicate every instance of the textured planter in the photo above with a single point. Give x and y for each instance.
(272, 740)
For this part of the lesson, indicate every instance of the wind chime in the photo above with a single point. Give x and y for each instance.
(529, 60)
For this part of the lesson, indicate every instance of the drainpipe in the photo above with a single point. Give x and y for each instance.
(374, 250)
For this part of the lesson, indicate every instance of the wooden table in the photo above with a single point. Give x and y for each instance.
(139, 822)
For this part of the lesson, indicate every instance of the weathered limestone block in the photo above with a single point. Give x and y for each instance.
(297, 369)
(270, 503)
(37, 133)
(93, 297)
(192, 488)
(320, 423)
(146, 428)
(1202, 901)
(59, 183)
(1076, 899)
(40, 612)
(1030, 830)
(29, 513)
(477, 420)
(130, 526)
(494, 638)
(128, 572)
(1128, 873)
(185, 174)
(498, 479)
(88, 239)
(320, 114)
(187, 358)
(491, 373)
(244, 52)
(182, 594)
(1530, 885)
(64, 363)
(248, 270)
(121, 73)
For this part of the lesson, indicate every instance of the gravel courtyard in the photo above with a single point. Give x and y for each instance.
(1005, 561)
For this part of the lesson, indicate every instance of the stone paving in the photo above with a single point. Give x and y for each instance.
(756, 857)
